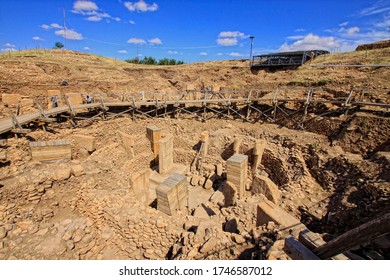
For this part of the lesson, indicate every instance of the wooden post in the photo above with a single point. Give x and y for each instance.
(308, 99)
(275, 103)
(357, 236)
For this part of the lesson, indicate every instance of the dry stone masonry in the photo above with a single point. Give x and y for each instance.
(165, 154)
(236, 169)
(172, 194)
(154, 134)
(51, 150)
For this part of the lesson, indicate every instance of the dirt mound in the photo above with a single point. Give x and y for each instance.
(32, 73)
(376, 45)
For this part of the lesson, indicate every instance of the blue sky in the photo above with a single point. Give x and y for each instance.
(197, 30)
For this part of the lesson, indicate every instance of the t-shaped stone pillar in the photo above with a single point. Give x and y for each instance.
(165, 155)
(236, 171)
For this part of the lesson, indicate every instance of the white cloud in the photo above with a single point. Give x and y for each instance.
(155, 41)
(141, 6)
(87, 48)
(295, 37)
(91, 10)
(94, 18)
(122, 51)
(345, 23)
(219, 54)
(233, 34)
(383, 24)
(136, 41)
(235, 54)
(300, 30)
(84, 5)
(131, 22)
(230, 38)
(173, 52)
(227, 41)
(37, 38)
(69, 34)
(377, 8)
(51, 26)
(55, 25)
(44, 26)
(8, 50)
(9, 45)
(203, 53)
(311, 42)
(353, 31)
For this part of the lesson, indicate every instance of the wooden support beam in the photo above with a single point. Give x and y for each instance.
(357, 236)
(69, 105)
(307, 103)
(48, 120)
(20, 130)
(41, 111)
(275, 103)
(313, 240)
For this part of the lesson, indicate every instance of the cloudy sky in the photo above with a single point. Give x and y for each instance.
(196, 30)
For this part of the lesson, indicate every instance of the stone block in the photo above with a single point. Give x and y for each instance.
(11, 98)
(139, 182)
(74, 98)
(127, 141)
(27, 102)
(53, 92)
(264, 185)
(190, 87)
(229, 191)
(154, 135)
(84, 141)
(297, 251)
(204, 139)
(236, 145)
(258, 151)
(268, 211)
(51, 150)
(216, 88)
(208, 184)
(219, 169)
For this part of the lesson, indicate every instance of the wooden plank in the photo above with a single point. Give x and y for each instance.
(21, 130)
(357, 236)
(313, 240)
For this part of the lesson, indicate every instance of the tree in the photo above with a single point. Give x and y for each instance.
(58, 45)
(152, 61)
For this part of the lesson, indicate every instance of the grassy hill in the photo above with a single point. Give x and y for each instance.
(33, 72)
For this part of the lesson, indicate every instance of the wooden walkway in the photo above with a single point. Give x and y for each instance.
(212, 103)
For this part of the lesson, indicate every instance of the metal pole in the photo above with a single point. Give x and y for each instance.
(250, 56)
